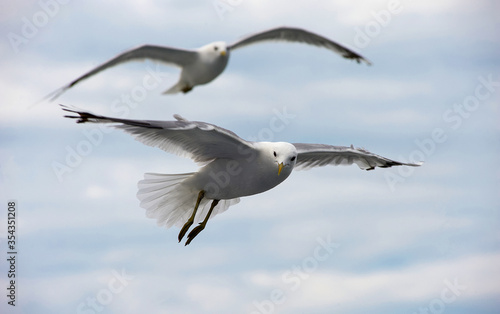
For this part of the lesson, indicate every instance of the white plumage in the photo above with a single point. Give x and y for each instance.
(170, 202)
(232, 167)
(204, 64)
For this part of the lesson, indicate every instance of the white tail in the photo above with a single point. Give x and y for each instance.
(177, 88)
(170, 202)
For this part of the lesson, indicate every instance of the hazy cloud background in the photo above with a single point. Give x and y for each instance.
(401, 240)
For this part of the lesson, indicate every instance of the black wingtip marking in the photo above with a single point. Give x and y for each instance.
(359, 59)
(82, 116)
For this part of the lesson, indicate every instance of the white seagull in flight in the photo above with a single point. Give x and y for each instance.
(204, 64)
(232, 167)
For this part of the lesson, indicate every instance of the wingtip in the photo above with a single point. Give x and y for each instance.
(357, 57)
(416, 164)
(360, 59)
(69, 108)
(55, 94)
(48, 98)
(82, 116)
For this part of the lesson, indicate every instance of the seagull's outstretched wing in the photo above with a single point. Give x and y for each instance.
(200, 141)
(302, 36)
(173, 56)
(318, 155)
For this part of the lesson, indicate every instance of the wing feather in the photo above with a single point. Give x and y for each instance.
(319, 155)
(299, 35)
(174, 56)
(200, 141)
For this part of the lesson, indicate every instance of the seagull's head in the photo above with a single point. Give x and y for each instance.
(285, 157)
(215, 50)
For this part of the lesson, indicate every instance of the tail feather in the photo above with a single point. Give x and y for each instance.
(177, 88)
(171, 203)
(156, 187)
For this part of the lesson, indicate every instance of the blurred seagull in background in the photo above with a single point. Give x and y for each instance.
(231, 167)
(204, 64)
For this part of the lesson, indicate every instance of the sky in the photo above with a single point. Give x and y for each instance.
(327, 240)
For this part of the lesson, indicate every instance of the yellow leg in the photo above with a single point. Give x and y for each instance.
(202, 224)
(190, 221)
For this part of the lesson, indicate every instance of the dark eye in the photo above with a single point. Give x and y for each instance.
(293, 158)
(274, 154)
(216, 48)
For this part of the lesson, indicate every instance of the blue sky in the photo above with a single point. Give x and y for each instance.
(332, 239)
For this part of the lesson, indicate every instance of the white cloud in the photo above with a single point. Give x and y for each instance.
(326, 288)
(210, 297)
(96, 192)
(389, 241)
(368, 89)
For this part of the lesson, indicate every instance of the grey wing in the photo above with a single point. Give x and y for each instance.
(178, 57)
(199, 141)
(318, 155)
(302, 36)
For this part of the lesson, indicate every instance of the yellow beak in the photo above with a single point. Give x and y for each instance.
(280, 167)
(223, 53)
